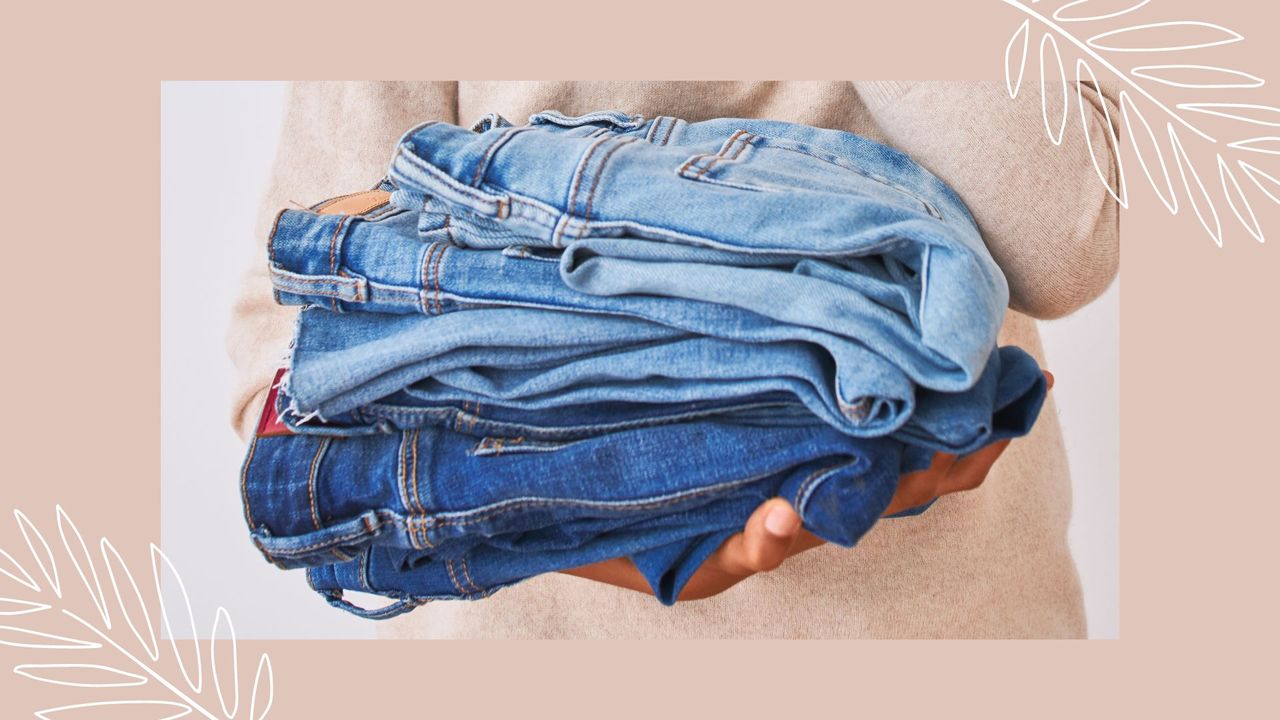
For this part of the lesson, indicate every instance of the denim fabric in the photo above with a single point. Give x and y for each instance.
(854, 285)
(509, 508)
(608, 336)
(678, 209)
(407, 514)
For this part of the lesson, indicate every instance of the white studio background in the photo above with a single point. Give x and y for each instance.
(217, 142)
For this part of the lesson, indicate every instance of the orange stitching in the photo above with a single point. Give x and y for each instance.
(439, 257)
(724, 151)
(577, 181)
(466, 573)
(311, 482)
(484, 161)
(454, 578)
(244, 477)
(426, 278)
(404, 492)
(595, 180)
(414, 474)
(670, 127)
(333, 246)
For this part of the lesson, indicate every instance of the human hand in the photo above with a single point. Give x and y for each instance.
(773, 533)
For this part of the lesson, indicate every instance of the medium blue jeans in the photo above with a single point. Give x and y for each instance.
(816, 241)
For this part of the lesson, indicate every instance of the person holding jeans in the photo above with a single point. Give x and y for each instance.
(992, 562)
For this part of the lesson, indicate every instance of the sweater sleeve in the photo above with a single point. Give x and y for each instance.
(1047, 219)
(337, 138)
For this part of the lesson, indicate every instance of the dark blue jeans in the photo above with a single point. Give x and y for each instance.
(461, 505)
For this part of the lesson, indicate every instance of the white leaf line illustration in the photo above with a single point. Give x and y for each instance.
(1130, 112)
(1121, 191)
(1048, 40)
(1061, 13)
(1235, 194)
(1225, 37)
(157, 557)
(1188, 173)
(138, 666)
(1165, 37)
(1269, 145)
(219, 619)
(42, 673)
(56, 712)
(1164, 77)
(1020, 34)
(95, 590)
(264, 671)
(1224, 110)
(1258, 177)
(25, 606)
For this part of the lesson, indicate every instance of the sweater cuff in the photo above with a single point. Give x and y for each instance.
(877, 94)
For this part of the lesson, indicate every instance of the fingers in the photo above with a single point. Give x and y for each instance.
(764, 543)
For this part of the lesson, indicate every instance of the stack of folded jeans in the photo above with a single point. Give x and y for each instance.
(533, 348)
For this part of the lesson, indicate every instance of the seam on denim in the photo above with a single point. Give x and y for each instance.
(362, 570)
(504, 506)
(448, 228)
(723, 152)
(333, 246)
(924, 280)
(814, 479)
(395, 290)
(401, 484)
(488, 153)
(244, 478)
(454, 578)
(426, 279)
(648, 136)
(578, 173)
(439, 260)
(271, 236)
(670, 126)
(327, 543)
(595, 179)
(311, 480)
(475, 417)
(473, 194)
(404, 414)
(802, 149)
(417, 501)
(466, 575)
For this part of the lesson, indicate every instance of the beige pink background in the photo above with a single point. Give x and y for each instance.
(1198, 345)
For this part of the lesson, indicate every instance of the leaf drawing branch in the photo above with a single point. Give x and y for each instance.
(121, 659)
(1155, 147)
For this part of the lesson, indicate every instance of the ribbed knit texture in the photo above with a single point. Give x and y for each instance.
(992, 562)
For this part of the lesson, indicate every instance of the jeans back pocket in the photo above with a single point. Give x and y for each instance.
(760, 163)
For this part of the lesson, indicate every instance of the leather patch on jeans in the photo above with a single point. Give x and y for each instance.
(269, 424)
(357, 204)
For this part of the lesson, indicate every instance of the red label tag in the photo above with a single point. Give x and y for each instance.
(269, 424)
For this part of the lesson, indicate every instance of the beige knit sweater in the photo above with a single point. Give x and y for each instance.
(988, 563)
